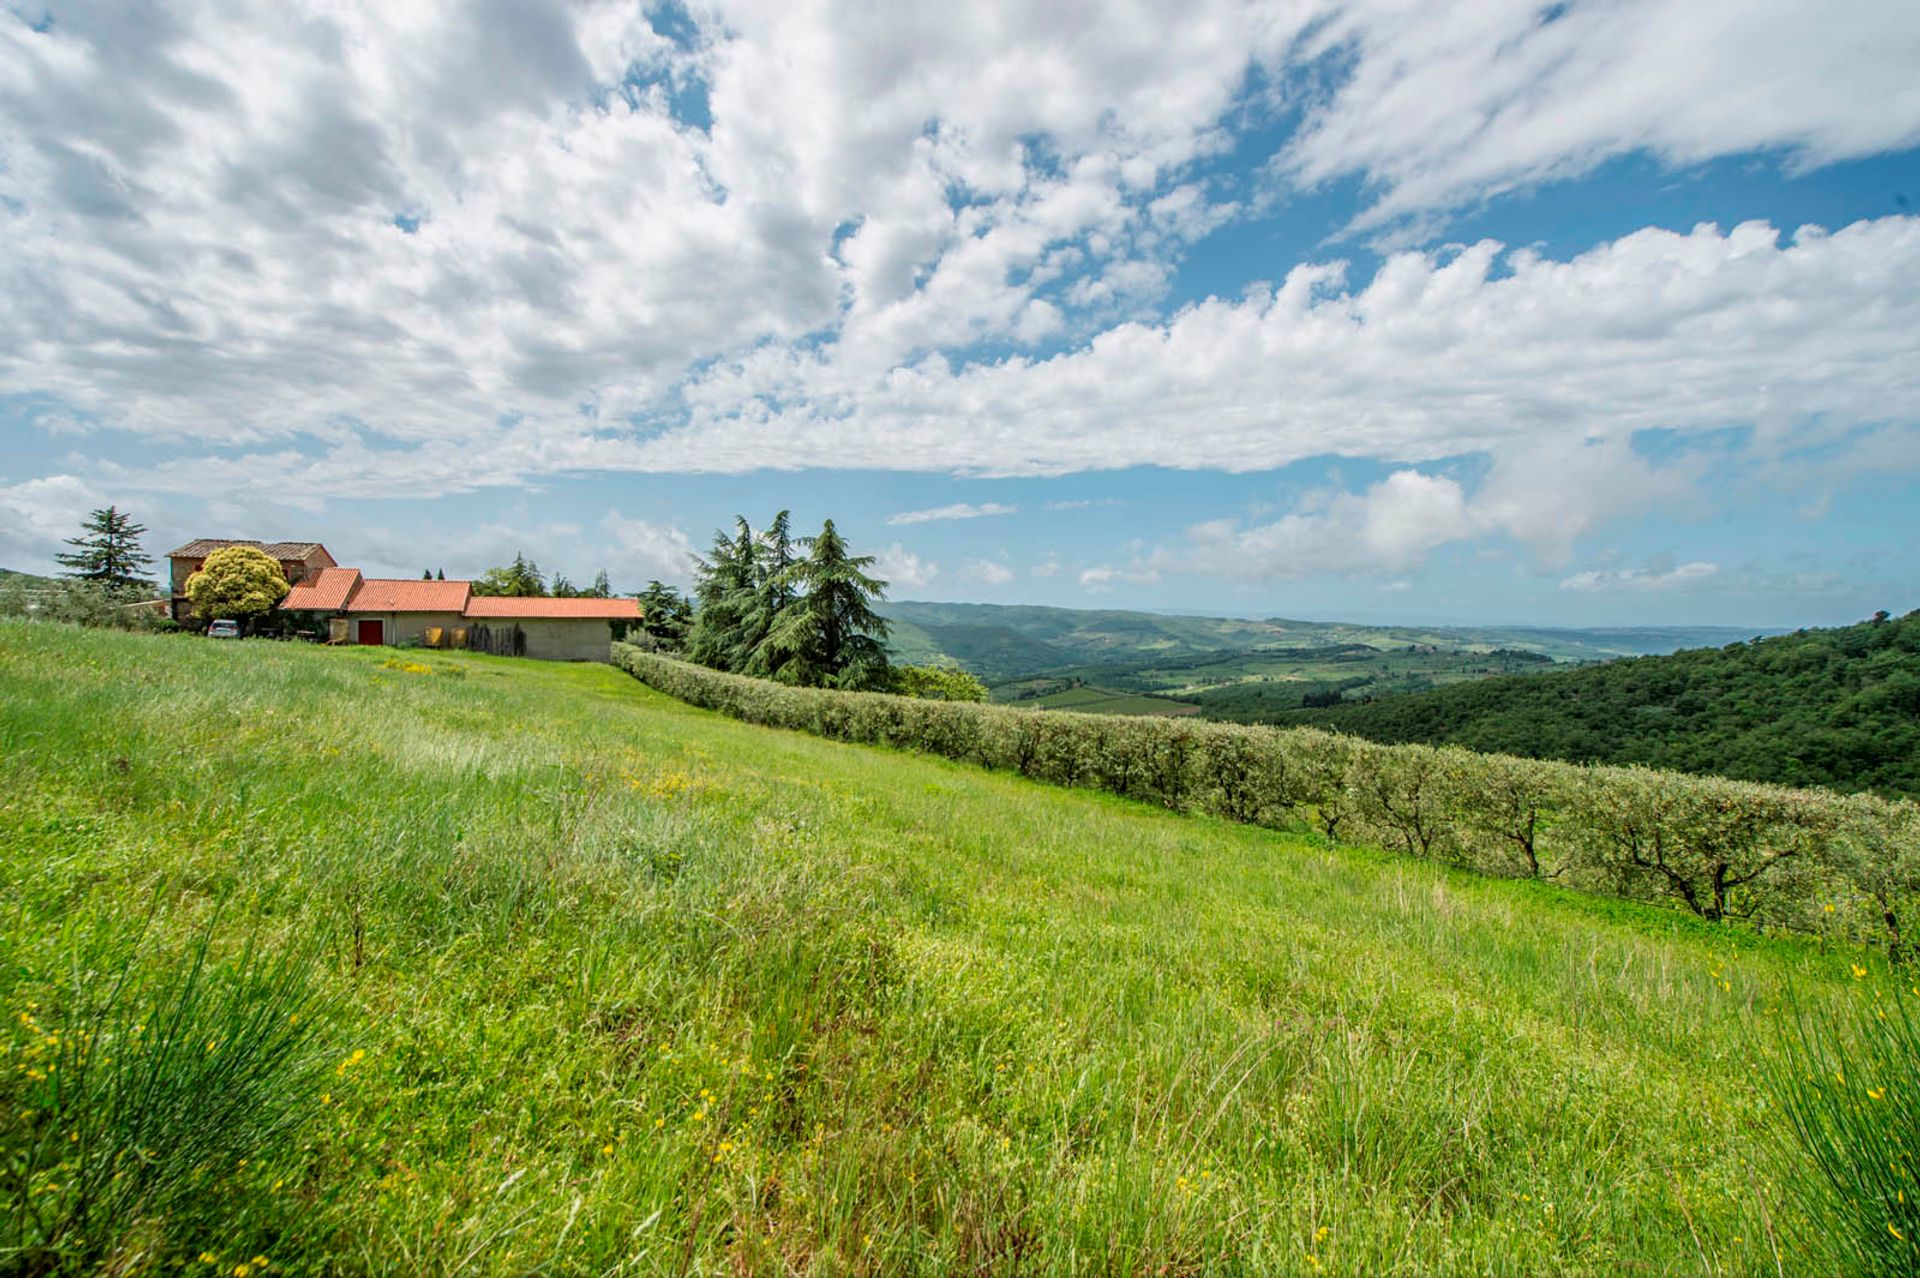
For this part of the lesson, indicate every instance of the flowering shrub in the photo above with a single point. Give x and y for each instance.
(1803, 859)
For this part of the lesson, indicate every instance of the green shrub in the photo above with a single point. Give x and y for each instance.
(936, 683)
(1798, 859)
(1849, 1084)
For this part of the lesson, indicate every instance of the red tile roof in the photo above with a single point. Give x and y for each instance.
(400, 594)
(327, 592)
(282, 550)
(484, 606)
(345, 590)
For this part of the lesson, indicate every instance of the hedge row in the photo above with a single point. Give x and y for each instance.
(1846, 866)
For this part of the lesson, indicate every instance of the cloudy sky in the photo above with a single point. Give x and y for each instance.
(1576, 313)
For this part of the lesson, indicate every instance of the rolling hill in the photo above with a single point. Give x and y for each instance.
(1837, 708)
(515, 967)
(1072, 636)
(1233, 668)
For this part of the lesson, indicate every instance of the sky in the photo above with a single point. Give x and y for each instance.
(1569, 314)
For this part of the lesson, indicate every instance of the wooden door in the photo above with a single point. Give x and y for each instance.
(370, 631)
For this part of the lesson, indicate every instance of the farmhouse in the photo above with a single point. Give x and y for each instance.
(299, 560)
(447, 614)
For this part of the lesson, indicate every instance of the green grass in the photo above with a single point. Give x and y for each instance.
(640, 989)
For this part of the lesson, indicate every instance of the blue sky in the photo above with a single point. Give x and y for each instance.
(1567, 314)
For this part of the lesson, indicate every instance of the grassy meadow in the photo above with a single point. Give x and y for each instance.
(522, 967)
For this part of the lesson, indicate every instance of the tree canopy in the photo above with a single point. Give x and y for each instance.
(797, 611)
(240, 582)
(665, 614)
(520, 579)
(108, 552)
(1838, 708)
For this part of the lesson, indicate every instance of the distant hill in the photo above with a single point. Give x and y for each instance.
(1837, 708)
(1000, 641)
(8, 577)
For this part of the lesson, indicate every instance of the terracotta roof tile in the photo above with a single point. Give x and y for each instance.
(278, 549)
(400, 594)
(485, 606)
(327, 592)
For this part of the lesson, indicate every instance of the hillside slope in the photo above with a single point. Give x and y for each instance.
(604, 982)
(1837, 708)
(1080, 636)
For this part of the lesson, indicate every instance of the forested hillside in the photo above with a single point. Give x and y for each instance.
(1837, 708)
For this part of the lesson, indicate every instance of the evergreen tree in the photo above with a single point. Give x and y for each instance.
(426, 574)
(723, 584)
(108, 552)
(519, 580)
(562, 588)
(602, 587)
(771, 594)
(831, 636)
(440, 574)
(665, 614)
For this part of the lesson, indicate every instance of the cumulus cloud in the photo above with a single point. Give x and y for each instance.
(902, 569)
(37, 514)
(1103, 577)
(987, 572)
(1641, 580)
(1543, 495)
(300, 248)
(958, 510)
(1441, 105)
(640, 548)
(1440, 353)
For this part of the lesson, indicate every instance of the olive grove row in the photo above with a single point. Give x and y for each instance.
(1808, 860)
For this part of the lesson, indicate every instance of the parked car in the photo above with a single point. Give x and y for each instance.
(224, 629)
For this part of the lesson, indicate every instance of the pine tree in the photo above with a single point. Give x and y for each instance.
(440, 574)
(831, 636)
(723, 583)
(665, 614)
(521, 580)
(109, 552)
(602, 587)
(771, 594)
(426, 574)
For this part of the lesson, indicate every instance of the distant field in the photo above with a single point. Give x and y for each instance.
(1241, 670)
(1105, 701)
(601, 983)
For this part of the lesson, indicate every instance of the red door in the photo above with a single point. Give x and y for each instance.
(370, 632)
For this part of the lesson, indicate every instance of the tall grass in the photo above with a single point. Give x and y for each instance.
(642, 989)
(1848, 1080)
(138, 1095)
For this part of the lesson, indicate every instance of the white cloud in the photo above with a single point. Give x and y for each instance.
(1641, 580)
(200, 240)
(958, 510)
(1389, 528)
(640, 549)
(987, 572)
(1048, 567)
(1447, 104)
(1102, 577)
(37, 514)
(1439, 354)
(902, 569)
(1545, 496)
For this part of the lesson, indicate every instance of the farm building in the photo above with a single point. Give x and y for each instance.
(300, 560)
(447, 614)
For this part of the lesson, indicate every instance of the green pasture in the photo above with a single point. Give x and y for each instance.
(561, 976)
